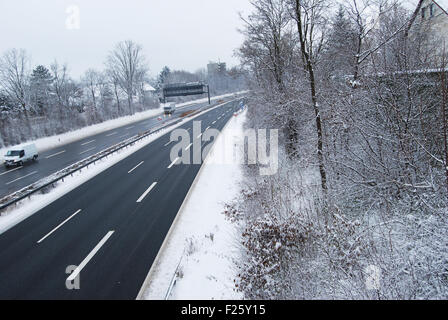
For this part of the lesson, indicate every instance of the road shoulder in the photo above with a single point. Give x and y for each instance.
(198, 251)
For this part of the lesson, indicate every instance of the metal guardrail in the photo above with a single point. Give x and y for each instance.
(64, 173)
(174, 278)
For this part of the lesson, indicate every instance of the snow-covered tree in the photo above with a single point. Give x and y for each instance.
(40, 82)
(379, 231)
(14, 79)
(128, 65)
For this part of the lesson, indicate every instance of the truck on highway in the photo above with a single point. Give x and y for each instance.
(169, 108)
(18, 156)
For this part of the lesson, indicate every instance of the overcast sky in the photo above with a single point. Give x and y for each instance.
(183, 34)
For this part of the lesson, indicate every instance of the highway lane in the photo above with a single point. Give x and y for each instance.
(53, 160)
(112, 226)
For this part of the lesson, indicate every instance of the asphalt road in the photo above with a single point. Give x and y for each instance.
(111, 227)
(51, 161)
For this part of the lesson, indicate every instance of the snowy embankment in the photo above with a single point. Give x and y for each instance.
(55, 141)
(201, 247)
(28, 207)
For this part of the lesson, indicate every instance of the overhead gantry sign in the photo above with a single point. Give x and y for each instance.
(185, 89)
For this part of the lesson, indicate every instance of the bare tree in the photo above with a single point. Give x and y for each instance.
(311, 21)
(127, 65)
(265, 47)
(269, 52)
(359, 13)
(114, 79)
(91, 81)
(104, 89)
(67, 95)
(60, 80)
(14, 78)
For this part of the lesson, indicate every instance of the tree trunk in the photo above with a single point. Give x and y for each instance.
(130, 104)
(27, 120)
(293, 138)
(118, 100)
(320, 143)
(444, 119)
(310, 69)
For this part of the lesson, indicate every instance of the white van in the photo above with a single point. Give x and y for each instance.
(16, 157)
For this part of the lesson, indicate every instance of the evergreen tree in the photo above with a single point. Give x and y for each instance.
(341, 45)
(41, 80)
(163, 77)
(5, 103)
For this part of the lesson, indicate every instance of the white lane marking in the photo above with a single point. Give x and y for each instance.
(54, 155)
(129, 128)
(199, 136)
(188, 129)
(173, 163)
(76, 272)
(213, 122)
(88, 142)
(60, 225)
(168, 143)
(111, 134)
(29, 174)
(207, 128)
(136, 167)
(87, 150)
(189, 146)
(125, 135)
(146, 192)
(18, 168)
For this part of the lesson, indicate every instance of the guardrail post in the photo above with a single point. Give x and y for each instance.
(208, 91)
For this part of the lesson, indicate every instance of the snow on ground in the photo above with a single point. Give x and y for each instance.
(201, 241)
(55, 141)
(27, 207)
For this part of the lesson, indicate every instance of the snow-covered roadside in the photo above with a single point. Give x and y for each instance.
(55, 141)
(201, 241)
(46, 143)
(27, 207)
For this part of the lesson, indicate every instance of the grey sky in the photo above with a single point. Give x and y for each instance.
(183, 34)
